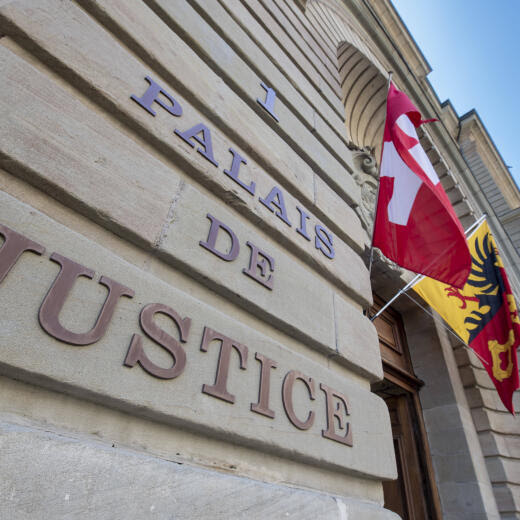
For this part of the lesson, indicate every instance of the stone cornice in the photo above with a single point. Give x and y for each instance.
(513, 215)
(399, 33)
(472, 128)
(450, 118)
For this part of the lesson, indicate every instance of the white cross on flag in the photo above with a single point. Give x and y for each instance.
(415, 224)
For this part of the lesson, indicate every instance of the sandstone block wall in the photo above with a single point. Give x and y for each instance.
(230, 375)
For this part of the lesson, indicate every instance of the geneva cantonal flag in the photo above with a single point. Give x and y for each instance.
(483, 313)
(415, 224)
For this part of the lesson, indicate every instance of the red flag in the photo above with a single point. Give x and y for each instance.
(484, 313)
(495, 332)
(415, 224)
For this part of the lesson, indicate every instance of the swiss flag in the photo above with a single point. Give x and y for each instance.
(415, 224)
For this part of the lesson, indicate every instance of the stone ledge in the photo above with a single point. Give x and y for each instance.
(51, 475)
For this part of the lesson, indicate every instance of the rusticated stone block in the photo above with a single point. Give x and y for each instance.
(78, 162)
(320, 416)
(110, 73)
(352, 330)
(289, 106)
(59, 145)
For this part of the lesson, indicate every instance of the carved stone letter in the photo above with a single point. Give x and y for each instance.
(219, 389)
(14, 245)
(268, 104)
(323, 241)
(152, 96)
(136, 353)
(334, 412)
(275, 197)
(260, 266)
(53, 303)
(302, 230)
(262, 406)
(234, 171)
(205, 141)
(287, 398)
(210, 243)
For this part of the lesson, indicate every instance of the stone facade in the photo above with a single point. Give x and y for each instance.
(186, 203)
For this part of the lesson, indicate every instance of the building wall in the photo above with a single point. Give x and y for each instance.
(497, 432)
(186, 202)
(492, 176)
(462, 478)
(135, 418)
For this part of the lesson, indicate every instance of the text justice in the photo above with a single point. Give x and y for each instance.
(336, 404)
(200, 136)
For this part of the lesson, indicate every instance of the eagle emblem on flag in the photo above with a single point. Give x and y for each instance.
(483, 313)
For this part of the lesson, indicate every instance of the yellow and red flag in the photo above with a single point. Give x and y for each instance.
(483, 313)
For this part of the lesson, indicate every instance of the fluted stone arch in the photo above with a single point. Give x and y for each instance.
(364, 90)
(362, 77)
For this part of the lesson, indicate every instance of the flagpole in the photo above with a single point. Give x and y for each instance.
(475, 224)
(371, 254)
(420, 276)
(403, 290)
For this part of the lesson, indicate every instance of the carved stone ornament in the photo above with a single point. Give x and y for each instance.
(392, 266)
(366, 176)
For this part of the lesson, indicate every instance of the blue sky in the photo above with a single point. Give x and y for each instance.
(473, 47)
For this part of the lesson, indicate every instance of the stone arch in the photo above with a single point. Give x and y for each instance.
(362, 77)
(363, 89)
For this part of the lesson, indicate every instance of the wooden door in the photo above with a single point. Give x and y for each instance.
(407, 495)
(413, 495)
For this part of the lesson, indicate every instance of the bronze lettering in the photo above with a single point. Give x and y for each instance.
(12, 248)
(136, 353)
(262, 406)
(259, 263)
(234, 171)
(55, 299)
(275, 198)
(152, 96)
(323, 241)
(205, 141)
(337, 405)
(334, 412)
(268, 104)
(303, 223)
(216, 225)
(287, 398)
(219, 389)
